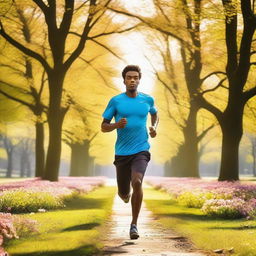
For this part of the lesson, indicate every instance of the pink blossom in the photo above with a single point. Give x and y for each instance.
(224, 196)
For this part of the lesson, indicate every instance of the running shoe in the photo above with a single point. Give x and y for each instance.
(126, 199)
(134, 232)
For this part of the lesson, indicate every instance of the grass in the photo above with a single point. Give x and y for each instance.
(205, 233)
(72, 231)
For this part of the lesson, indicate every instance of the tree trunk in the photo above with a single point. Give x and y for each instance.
(56, 114)
(185, 163)
(54, 148)
(253, 141)
(22, 163)
(9, 164)
(28, 165)
(232, 131)
(40, 154)
(91, 171)
(55, 120)
(80, 159)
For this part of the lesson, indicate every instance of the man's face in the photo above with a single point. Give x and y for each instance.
(131, 81)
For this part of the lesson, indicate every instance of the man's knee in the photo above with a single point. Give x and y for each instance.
(136, 183)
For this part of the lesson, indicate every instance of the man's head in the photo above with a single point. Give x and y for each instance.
(131, 75)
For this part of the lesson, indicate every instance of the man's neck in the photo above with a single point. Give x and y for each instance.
(131, 94)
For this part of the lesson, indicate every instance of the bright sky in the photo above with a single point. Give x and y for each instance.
(134, 47)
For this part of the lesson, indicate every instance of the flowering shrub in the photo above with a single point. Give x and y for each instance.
(24, 226)
(40, 195)
(230, 208)
(218, 199)
(36, 195)
(22, 201)
(13, 227)
(7, 230)
(193, 199)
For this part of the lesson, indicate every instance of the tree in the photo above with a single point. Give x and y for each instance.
(179, 109)
(29, 95)
(181, 22)
(253, 144)
(25, 149)
(60, 32)
(237, 69)
(78, 138)
(9, 144)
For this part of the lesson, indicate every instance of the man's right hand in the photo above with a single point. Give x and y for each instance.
(121, 123)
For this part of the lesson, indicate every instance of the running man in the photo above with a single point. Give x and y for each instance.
(130, 110)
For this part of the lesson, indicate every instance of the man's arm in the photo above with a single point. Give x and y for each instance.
(154, 123)
(106, 126)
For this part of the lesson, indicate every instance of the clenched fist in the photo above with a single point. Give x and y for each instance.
(121, 123)
(152, 132)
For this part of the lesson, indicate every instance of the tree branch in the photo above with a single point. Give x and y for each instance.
(162, 11)
(42, 84)
(99, 17)
(202, 135)
(107, 48)
(231, 36)
(203, 103)
(98, 72)
(151, 25)
(211, 74)
(30, 106)
(93, 136)
(113, 32)
(216, 87)
(67, 17)
(167, 88)
(15, 70)
(246, 41)
(83, 38)
(249, 94)
(81, 6)
(24, 49)
(41, 5)
(19, 89)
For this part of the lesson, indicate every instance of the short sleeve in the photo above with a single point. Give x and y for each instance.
(110, 110)
(153, 108)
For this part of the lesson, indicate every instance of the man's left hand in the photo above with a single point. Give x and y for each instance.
(152, 132)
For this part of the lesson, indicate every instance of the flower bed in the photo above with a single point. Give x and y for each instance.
(216, 199)
(36, 195)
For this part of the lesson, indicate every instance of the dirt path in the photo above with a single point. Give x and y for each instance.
(154, 239)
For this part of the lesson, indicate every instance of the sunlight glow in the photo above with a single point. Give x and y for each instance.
(134, 49)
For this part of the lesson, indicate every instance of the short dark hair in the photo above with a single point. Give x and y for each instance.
(131, 68)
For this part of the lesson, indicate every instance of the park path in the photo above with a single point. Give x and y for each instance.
(154, 239)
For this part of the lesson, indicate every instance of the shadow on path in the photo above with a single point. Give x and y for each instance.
(86, 226)
(81, 251)
(119, 249)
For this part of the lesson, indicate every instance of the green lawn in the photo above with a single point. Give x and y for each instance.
(206, 233)
(76, 230)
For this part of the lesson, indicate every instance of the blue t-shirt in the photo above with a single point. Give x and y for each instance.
(133, 138)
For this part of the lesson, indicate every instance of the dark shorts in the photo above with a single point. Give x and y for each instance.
(125, 165)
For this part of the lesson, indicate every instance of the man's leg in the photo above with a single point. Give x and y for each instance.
(137, 195)
(123, 177)
(138, 167)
